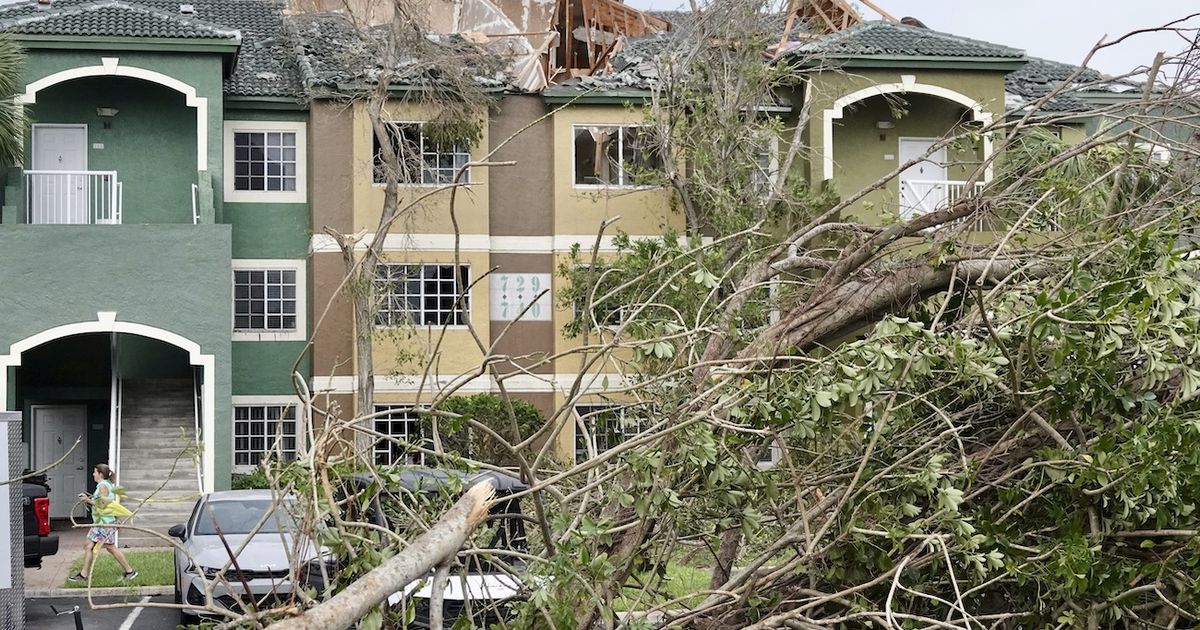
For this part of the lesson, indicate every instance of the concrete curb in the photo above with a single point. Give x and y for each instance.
(131, 591)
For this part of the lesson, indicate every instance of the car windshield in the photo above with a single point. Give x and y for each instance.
(241, 516)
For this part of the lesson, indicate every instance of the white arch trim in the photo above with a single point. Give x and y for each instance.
(908, 83)
(111, 66)
(106, 322)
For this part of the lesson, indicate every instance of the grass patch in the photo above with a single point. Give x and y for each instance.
(680, 580)
(155, 568)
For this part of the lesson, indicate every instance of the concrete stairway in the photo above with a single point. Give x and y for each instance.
(157, 433)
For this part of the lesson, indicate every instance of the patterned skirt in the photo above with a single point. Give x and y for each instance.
(103, 535)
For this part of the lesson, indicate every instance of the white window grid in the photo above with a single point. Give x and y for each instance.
(264, 300)
(608, 425)
(262, 430)
(436, 164)
(612, 173)
(422, 294)
(264, 161)
(404, 423)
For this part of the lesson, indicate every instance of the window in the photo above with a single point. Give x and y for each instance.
(422, 160)
(422, 295)
(607, 426)
(269, 300)
(260, 430)
(405, 424)
(766, 163)
(264, 299)
(612, 156)
(264, 160)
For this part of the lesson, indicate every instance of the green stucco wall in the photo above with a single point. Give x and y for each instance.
(151, 142)
(176, 278)
(200, 71)
(265, 367)
(865, 153)
(984, 87)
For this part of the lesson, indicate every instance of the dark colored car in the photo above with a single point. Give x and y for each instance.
(39, 542)
(481, 590)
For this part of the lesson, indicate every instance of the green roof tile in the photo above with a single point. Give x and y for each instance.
(266, 60)
(875, 39)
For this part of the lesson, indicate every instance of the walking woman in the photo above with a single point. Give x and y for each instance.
(105, 508)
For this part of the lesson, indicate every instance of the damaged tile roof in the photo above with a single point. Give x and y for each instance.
(266, 64)
(874, 39)
(334, 54)
(1040, 77)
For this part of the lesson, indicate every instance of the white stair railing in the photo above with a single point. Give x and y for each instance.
(72, 197)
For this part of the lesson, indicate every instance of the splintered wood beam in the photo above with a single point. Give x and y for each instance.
(793, 7)
(883, 14)
(828, 22)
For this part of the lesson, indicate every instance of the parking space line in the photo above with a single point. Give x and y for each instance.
(133, 615)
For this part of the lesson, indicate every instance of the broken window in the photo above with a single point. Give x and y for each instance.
(421, 159)
(613, 156)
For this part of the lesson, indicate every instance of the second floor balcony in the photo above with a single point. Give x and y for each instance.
(72, 197)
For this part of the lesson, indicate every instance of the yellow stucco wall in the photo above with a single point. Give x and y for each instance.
(453, 353)
(581, 210)
(431, 215)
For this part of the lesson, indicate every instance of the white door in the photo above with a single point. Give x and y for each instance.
(59, 197)
(55, 429)
(922, 185)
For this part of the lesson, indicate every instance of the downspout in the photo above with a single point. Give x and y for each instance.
(197, 388)
(114, 402)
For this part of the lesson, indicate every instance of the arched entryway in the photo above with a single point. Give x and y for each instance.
(162, 370)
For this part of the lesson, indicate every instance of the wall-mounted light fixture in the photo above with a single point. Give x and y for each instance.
(885, 124)
(106, 114)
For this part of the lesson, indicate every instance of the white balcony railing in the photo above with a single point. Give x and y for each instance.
(919, 196)
(72, 197)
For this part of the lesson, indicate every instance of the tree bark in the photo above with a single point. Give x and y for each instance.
(432, 548)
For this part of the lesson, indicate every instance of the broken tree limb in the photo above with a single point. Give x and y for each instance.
(432, 548)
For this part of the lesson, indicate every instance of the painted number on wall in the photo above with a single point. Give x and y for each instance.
(511, 293)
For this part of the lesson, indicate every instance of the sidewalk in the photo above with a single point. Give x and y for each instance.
(48, 581)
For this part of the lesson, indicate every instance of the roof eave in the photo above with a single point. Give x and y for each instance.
(242, 101)
(939, 62)
(595, 97)
(226, 46)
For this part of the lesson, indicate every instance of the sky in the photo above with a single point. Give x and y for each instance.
(1062, 30)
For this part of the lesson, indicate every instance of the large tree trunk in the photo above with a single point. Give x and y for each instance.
(433, 548)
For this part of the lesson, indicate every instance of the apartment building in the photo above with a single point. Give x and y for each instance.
(165, 246)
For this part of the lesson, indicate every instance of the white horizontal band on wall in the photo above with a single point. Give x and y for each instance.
(520, 383)
(324, 243)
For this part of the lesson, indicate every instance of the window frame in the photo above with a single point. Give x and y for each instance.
(620, 151)
(300, 267)
(262, 401)
(300, 195)
(466, 286)
(389, 409)
(581, 417)
(420, 124)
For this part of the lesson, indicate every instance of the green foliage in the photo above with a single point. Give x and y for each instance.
(13, 122)
(493, 412)
(252, 480)
(155, 568)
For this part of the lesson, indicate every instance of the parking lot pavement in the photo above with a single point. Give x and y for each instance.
(38, 614)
